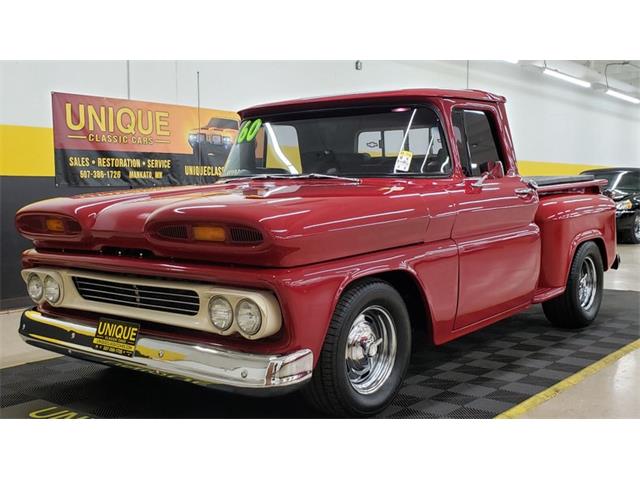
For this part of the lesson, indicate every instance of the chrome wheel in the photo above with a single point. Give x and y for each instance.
(587, 284)
(636, 226)
(371, 350)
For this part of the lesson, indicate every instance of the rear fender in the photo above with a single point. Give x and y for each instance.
(565, 222)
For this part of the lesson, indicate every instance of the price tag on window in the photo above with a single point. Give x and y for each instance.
(403, 162)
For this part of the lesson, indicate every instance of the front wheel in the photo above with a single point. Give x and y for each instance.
(366, 352)
(632, 232)
(580, 303)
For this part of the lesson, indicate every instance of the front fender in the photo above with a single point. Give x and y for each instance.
(310, 294)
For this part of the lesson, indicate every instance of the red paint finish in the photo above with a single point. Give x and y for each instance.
(476, 254)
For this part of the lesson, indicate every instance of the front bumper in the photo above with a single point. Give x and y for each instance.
(196, 363)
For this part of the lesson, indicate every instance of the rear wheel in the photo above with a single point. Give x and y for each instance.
(366, 352)
(578, 306)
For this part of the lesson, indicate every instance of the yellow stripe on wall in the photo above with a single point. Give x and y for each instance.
(526, 167)
(26, 151)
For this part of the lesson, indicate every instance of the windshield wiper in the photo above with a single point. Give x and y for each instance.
(267, 176)
(276, 176)
(324, 175)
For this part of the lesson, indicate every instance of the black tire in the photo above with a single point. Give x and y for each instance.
(567, 310)
(330, 389)
(630, 234)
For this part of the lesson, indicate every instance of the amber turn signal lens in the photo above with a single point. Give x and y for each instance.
(208, 234)
(55, 225)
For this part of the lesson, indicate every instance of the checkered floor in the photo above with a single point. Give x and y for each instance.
(478, 376)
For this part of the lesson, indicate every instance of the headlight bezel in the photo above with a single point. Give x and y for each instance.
(57, 285)
(45, 279)
(35, 276)
(231, 311)
(260, 315)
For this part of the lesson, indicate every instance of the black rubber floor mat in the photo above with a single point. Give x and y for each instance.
(478, 376)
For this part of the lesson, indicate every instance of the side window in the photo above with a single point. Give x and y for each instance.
(380, 144)
(476, 142)
(418, 140)
(631, 181)
(371, 143)
(392, 142)
(461, 142)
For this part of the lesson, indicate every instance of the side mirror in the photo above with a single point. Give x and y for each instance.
(496, 170)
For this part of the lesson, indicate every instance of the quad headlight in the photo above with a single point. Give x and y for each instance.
(248, 316)
(220, 313)
(44, 287)
(52, 289)
(35, 288)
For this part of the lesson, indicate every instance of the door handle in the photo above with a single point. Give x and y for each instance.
(523, 192)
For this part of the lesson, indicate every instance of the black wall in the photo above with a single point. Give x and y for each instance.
(15, 192)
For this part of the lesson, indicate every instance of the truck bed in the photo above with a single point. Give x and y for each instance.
(546, 185)
(544, 181)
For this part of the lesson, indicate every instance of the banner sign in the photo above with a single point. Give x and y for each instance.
(102, 141)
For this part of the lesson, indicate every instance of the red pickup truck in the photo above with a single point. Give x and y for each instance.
(340, 228)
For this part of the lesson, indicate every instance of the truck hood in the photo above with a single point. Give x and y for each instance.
(300, 221)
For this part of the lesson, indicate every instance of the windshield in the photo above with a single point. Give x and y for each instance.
(399, 141)
(628, 181)
(222, 123)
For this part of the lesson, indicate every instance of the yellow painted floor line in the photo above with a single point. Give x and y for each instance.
(574, 379)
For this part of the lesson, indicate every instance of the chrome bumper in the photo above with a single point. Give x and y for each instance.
(201, 364)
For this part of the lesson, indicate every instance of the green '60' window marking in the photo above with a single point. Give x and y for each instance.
(249, 130)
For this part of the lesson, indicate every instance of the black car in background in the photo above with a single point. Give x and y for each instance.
(624, 189)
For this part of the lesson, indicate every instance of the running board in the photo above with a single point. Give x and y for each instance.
(544, 294)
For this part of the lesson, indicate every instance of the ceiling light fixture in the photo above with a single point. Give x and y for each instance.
(622, 96)
(566, 78)
(615, 93)
(511, 61)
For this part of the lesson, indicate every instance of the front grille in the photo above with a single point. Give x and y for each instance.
(172, 300)
(245, 235)
(174, 231)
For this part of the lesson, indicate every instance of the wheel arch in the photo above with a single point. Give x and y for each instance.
(599, 241)
(407, 284)
(581, 239)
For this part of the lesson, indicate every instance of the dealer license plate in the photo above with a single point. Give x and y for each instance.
(117, 337)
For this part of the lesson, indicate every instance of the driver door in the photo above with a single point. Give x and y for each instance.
(498, 241)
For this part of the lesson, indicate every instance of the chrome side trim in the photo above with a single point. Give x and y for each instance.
(206, 364)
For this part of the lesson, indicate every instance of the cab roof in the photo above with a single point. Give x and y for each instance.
(367, 98)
